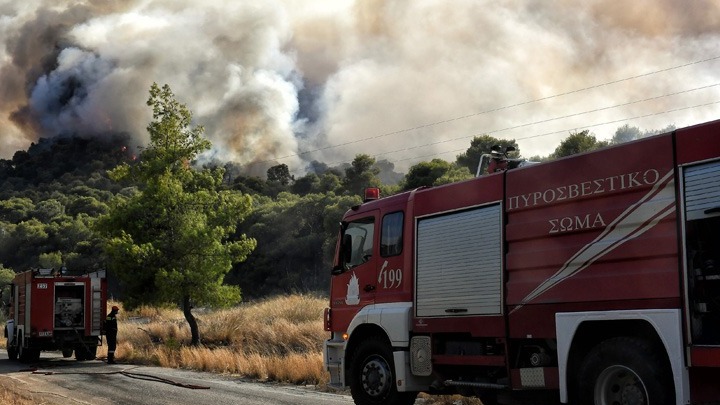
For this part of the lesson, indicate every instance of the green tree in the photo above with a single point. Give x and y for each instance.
(31, 232)
(330, 182)
(361, 174)
(52, 260)
(48, 210)
(87, 205)
(434, 173)
(16, 209)
(6, 278)
(425, 173)
(483, 144)
(278, 180)
(296, 241)
(306, 184)
(21, 244)
(578, 142)
(454, 174)
(171, 243)
(665, 130)
(280, 174)
(625, 133)
(249, 185)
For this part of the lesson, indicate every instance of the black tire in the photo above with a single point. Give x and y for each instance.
(372, 379)
(81, 354)
(92, 352)
(25, 355)
(625, 370)
(67, 353)
(34, 355)
(12, 351)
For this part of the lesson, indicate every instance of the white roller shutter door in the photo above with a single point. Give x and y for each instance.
(459, 265)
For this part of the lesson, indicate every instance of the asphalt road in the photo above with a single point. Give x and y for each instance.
(58, 381)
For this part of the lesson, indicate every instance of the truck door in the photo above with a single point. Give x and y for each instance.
(393, 282)
(354, 280)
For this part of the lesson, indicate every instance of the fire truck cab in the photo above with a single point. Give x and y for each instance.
(590, 279)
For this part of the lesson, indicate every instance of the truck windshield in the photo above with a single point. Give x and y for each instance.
(357, 242)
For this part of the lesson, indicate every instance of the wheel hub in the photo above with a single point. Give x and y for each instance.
(376, 377)
(619, 385)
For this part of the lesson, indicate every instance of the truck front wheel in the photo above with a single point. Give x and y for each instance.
(11, 351)
(21, 351)
(372, 380)
(624, 371)
(26, 355)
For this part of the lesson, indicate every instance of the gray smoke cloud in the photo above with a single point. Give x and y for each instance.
(292, 81)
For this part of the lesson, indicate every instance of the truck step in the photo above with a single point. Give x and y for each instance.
(470, 384)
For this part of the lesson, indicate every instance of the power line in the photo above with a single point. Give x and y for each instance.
(552, 119)
(625, 119)
(490, 110)
(532, 136)
(585, 127)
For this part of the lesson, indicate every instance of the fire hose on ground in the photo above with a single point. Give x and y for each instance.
(126, 373)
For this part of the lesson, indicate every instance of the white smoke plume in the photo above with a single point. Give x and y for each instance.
(291, 81)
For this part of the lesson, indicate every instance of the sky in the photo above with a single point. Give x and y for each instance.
(292, 81)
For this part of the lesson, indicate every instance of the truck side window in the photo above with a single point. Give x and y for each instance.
(358, 242)
(392, 234)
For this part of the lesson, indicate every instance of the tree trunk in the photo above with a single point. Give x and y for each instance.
(187, 311)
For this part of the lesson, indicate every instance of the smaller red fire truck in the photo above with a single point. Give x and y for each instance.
(52, 311)
(592, 279)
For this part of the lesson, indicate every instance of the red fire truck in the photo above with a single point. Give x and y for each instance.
(53, 311)
(592, 279)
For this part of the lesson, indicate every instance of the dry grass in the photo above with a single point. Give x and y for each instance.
(278, 339)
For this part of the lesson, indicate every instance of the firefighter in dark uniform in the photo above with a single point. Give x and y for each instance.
(111, 333)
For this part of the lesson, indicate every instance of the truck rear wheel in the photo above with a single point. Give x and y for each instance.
(372, 380)
(92, 352)
(83, 353)
(625, 371)
(67, 353)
